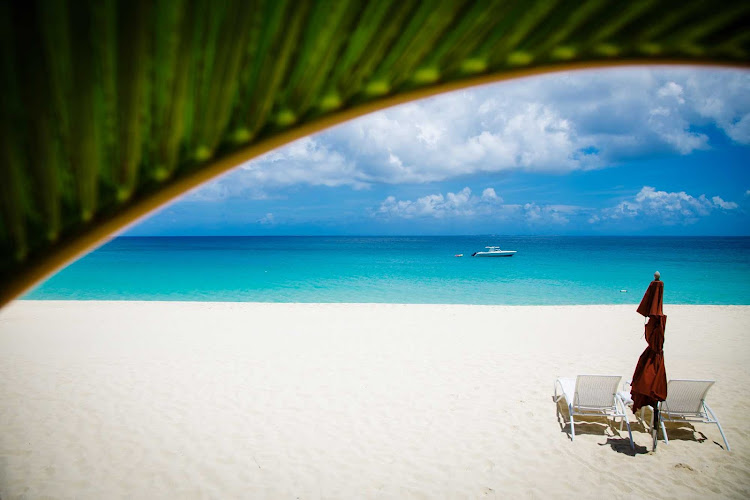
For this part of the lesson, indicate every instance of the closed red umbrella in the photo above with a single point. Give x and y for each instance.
(649, 384)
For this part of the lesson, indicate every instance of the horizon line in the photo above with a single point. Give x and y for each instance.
(490, 235)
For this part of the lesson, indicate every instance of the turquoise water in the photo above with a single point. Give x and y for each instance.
(546, 270)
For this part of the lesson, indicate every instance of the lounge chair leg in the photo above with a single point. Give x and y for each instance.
(664, 431)
(572, 425)
(630, 434)
(723, 436)
(716, 421)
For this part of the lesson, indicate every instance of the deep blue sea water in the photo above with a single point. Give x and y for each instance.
(546, 270)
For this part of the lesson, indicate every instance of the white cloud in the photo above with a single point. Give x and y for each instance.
(461, 204)
(465, 204)
(535, 214)
(667, 208)
(738, 130)
(672, 89)
(305, 161)
(308, 161)
(720, 98)
(555, 123)
(726, 205)
(489, 194)
(442, 138)
(266, 219)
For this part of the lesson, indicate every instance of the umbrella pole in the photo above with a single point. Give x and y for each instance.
(655, 425)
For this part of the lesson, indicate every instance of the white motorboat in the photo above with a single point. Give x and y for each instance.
(494, 252)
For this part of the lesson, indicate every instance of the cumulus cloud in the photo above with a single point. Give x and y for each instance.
(556, 123)
(459, 134)
(664, 207)
(308, 161)
(467, 205)
(461, 204)
(726, 205)
(548, 214)
(672, 89)
(722, 99)
(489, 194)
(649, 205)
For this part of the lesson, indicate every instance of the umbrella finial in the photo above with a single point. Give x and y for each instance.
(657, 276)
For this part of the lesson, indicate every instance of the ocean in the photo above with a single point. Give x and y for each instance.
(547, 270)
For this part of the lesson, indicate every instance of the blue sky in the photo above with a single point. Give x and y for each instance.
(622, 151)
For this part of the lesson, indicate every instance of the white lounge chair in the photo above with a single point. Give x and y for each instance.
(686, 402)
(592, 395)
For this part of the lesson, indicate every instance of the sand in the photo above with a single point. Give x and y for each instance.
(245, 400)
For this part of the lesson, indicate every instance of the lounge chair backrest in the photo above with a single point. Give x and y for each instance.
(686, 396)
(596, 391)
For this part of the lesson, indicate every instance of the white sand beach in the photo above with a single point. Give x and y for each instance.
(249, 400)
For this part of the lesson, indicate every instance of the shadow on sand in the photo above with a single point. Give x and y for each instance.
(676, 431)
(622, 445)
(595, 425)
(602, 426)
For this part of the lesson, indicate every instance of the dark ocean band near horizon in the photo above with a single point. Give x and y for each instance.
(547, 270)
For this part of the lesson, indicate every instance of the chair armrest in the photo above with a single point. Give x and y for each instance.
(557, 398)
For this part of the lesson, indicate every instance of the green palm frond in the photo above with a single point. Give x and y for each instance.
(109, 108)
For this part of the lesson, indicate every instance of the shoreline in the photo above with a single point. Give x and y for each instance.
(103, 399)
(438, 304)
